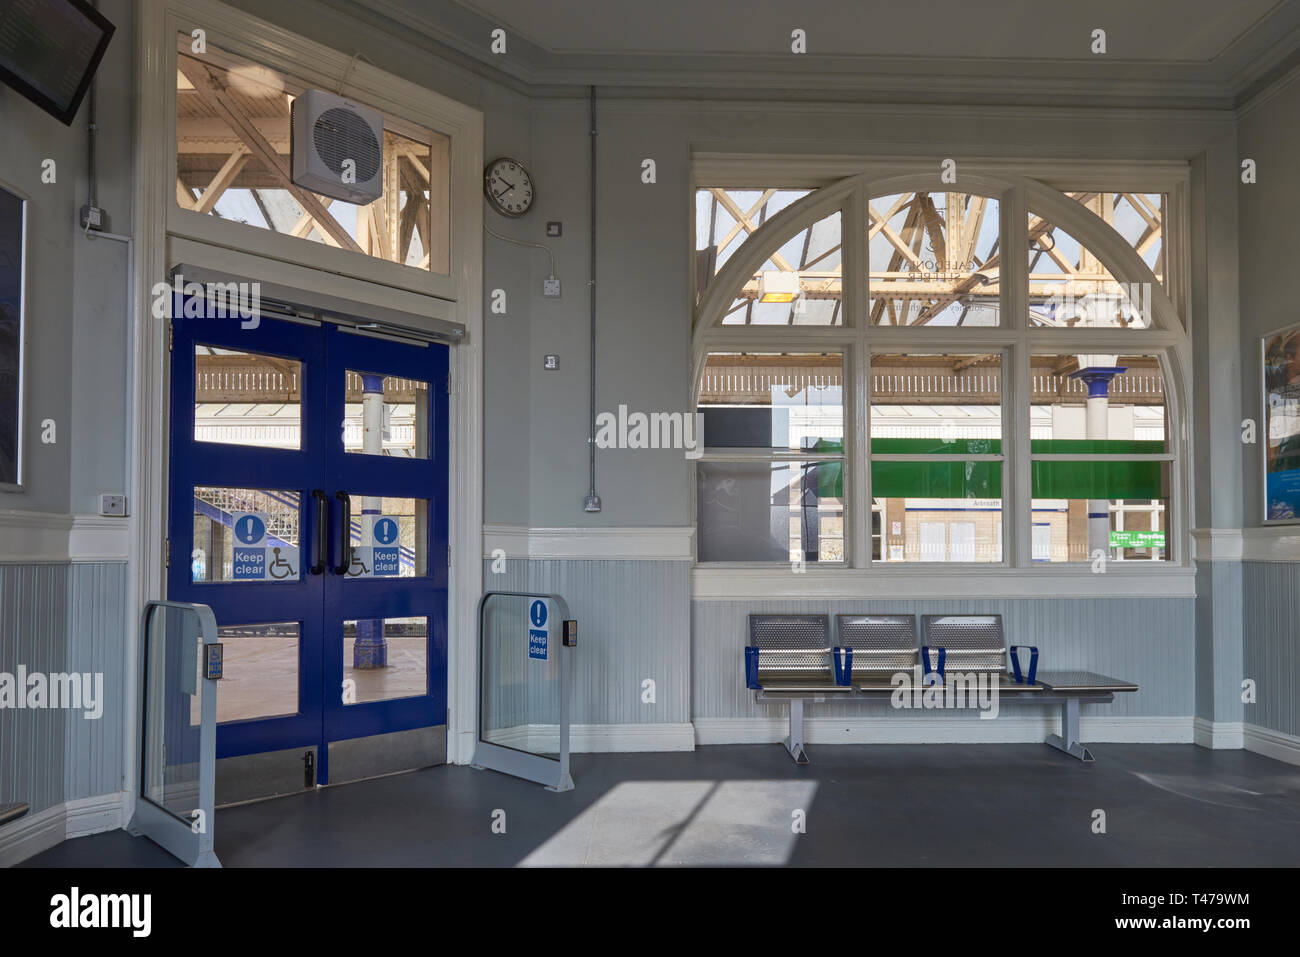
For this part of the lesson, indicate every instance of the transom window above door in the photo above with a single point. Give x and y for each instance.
(233, 163)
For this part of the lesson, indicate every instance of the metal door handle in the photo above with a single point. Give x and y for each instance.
(345, 536)
(322, 530)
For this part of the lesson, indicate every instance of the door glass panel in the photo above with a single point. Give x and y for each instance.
(385, 658)
(245, 535)
(386, 415)
(245, 398)
(173, 697)
(260, 677)
(389, 537)
(520, 703)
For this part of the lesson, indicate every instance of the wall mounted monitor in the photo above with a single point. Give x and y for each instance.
(49, 50)
(13, 228)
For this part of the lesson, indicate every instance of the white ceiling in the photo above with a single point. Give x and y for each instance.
(1151, 30)
(1190, 54)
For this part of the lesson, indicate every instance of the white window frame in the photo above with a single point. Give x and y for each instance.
(845, 184)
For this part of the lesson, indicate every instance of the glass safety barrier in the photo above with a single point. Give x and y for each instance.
(181, 663)
(526, 647)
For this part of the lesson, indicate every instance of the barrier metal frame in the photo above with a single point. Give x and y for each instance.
(162, 826)
(523, 764)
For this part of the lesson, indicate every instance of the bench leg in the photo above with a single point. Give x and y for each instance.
(794, 740)
(1068, 739)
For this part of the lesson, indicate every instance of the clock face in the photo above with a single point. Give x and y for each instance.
(508, 186)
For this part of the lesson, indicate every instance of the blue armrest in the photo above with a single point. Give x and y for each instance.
(751, 669)
(925, 663)
(1015, 662)
(843, 668)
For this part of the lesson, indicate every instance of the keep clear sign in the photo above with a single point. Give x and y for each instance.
(256, 556)
(382, 559)
(538, 629)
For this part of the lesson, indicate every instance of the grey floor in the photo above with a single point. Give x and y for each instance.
(862, 805)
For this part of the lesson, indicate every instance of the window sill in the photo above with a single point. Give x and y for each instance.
(720, 583)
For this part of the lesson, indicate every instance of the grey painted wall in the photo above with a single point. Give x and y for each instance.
(1269, 133)
(1148, 641)
(97, 633)
(634, 623)
(59, 617)
(1272, 652)
(1219, 642)
(1269, 242)
(76, 309)
(33, 633)
(62, 618)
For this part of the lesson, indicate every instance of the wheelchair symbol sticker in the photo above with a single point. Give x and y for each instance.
(282, 567)
(538, 613)
(385, 531)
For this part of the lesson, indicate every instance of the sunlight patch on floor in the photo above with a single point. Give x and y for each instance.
(653, 823)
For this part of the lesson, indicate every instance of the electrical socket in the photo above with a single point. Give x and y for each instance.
(92, 217)
(551, 287)
(112, 504)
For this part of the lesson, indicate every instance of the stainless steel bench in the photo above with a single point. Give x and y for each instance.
(12, 812)
(790, 659)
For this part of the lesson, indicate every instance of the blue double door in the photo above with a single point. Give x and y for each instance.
(309, 509)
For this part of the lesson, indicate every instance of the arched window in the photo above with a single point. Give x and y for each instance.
(883, 383)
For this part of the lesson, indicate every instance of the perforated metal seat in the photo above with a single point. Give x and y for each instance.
(794, 653)
(883, 645)
(972, 643)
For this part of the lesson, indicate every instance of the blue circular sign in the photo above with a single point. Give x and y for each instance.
(250, 530)
(385, 531)
(538, 613)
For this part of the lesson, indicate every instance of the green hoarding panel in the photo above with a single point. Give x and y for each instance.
(1064, 480)
(1106, 480)
(936, 479)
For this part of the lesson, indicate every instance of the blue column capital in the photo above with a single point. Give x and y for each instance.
(1097, 378)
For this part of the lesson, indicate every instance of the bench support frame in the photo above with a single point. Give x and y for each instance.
(794, 740)
(1068, 739)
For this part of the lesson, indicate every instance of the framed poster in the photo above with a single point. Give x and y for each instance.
(13, 232)
(1281, 377)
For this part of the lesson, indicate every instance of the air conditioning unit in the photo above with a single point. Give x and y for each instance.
(337, 147)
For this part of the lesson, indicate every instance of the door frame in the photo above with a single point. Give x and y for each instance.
(155, 250)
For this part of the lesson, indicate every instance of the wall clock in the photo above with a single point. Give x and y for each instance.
(508, 187)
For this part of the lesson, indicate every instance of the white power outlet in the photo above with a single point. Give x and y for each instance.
(112, 505)
(551, 287)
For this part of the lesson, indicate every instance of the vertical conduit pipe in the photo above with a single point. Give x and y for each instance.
(592, 502)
